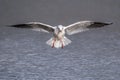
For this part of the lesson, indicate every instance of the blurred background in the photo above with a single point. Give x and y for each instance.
(93, 55)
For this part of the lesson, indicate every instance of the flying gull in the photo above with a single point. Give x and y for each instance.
(59, 40)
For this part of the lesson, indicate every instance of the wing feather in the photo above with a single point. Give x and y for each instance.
(83, 26)
(37, 26)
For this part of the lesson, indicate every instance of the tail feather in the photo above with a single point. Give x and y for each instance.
(57, 44)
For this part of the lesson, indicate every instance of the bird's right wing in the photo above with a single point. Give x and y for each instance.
(37, 26)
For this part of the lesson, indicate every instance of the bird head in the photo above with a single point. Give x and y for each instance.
(60, 27)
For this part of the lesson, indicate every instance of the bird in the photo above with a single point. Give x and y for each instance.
(59, 40)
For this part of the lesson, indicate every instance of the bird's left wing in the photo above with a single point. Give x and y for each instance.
(37, 26)
(83, 26)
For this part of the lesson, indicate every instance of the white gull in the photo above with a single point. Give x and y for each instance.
(59, 40)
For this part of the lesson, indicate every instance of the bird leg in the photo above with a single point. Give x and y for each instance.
(62, 46)
(62, 43)
(53, 42)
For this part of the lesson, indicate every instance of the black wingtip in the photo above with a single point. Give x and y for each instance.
(16, 25)
(104, 23)
(109, 23)
(20, 26)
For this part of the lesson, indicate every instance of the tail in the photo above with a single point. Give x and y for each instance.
(57, 43)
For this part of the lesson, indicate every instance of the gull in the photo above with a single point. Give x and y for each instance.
(59, 40)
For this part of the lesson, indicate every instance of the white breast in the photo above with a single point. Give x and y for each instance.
(59, 34)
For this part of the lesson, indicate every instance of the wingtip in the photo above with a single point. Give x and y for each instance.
(104, 23)
(18, 25)
(107, 23)
(10, 25)
(110, 23)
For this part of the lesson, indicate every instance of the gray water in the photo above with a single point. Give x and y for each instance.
(92, 55)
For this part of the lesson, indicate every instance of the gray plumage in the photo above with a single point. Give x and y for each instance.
(84, 26)
(37, 26)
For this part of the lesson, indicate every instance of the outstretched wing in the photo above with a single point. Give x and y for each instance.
(83, 26)
(37, 26)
